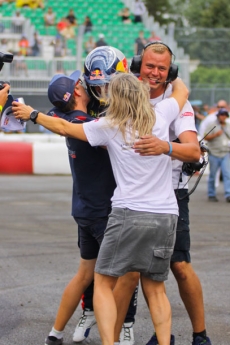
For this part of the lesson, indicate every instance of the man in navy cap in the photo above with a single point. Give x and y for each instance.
(219, 147)
(93, 186)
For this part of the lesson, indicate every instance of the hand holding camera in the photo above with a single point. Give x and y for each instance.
(4, 91)
(4, 86)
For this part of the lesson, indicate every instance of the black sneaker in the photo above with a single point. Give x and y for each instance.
(213, 198)
(154, 341)
(201, 341)
(228, 199)
(50, 340)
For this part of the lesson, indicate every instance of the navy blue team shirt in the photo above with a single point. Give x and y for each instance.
(93, 180)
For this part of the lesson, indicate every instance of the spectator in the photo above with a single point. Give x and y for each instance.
(101, 42)
(19, 64)
(211, 116)
(2, 26)
(35, 45)
(18, 21)
(138, 10)
(198, 116)
(205, 109)
(8, 45)
(62, 24)
(4, 45)
(140, 43)
(87, 25)
(68, 31)
(36, 4)
(59, 47)
(24, 46)
(72, 18)
(30, 3)
(153, 38)
(218, 143)
(90, 44)
(49, 17)
(125, 15)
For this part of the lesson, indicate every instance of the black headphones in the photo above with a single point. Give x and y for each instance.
(135, 66)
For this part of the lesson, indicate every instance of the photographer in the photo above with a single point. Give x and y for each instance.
(3, 95)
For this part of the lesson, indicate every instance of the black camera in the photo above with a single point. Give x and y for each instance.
(5, 57)
(190, 168)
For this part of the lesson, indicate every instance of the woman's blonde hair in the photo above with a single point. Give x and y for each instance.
(129, 105)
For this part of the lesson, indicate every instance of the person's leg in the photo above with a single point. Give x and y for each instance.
(191, 293)
(188, 282)
(70, 300)
(91, 233)
(105, 307)
(214, 164)
(159, 307)
(87, 320)
(73, 292)
(225, 168)
(124, 294)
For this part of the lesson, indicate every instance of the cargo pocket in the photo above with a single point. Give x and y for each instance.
(161, 260)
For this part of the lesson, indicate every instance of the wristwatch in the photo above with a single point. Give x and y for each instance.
(34, 115)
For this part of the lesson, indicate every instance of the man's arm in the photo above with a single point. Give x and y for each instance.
(54, 124)
(180, 92)
(212, 136)
(186, 151)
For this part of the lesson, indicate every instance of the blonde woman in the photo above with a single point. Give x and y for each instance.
(140, 233)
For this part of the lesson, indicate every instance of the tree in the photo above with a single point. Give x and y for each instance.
(192, 13)
(163, 11)
(208, 13)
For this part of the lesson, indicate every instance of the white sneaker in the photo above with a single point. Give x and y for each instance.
(84, 325)
(126, 335)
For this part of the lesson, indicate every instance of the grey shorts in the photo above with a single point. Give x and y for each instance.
(137, 242)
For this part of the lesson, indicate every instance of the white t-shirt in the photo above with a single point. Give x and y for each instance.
(206, 122)
(144, 183)
(185, 121)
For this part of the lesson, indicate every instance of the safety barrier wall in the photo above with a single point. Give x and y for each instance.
(33, 154)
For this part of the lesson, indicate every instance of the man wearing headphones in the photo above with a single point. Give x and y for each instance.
(155, 67)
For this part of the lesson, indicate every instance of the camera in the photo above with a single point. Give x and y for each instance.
(189, 169)
(5, 57)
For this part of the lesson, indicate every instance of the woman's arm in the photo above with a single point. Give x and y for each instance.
(54, 124)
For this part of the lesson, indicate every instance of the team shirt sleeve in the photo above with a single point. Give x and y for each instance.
(168, 109)
(185, 121)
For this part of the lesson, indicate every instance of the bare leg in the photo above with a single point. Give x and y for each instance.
(105, 307)
(191, 293)
(123, 292)
(73, 292)
(159, 307)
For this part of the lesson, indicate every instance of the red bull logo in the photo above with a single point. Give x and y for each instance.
(66, 96)
(122, 66)
(96, 74)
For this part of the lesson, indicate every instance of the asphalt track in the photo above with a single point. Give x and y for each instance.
(39, 255)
